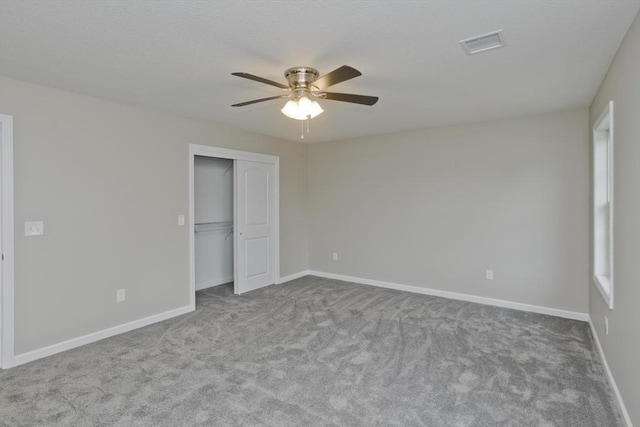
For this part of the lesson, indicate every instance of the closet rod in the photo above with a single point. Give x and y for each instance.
(214, 226)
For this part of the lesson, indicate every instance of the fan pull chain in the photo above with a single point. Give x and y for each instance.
(302, 127)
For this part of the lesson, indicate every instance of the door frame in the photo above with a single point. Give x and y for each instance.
(6, 230)
(226, 153)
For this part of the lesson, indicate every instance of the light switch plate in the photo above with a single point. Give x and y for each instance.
(33, 228)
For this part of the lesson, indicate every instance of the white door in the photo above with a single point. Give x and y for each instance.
(1, 241)
(6, 241)
(254, 229)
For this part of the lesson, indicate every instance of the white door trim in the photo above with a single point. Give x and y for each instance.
(7, 318)
(225, 153)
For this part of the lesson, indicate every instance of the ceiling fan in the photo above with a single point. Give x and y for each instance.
(305, 87)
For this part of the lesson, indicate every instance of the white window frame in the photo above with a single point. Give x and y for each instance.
(602, 197)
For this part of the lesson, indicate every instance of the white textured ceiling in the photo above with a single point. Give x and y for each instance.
(178, 56)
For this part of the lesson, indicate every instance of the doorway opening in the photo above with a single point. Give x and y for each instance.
(213, 216)
(233, 219)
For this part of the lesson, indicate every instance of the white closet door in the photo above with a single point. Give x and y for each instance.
(254, 225)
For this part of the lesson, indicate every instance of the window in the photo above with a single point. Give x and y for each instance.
(603, 204)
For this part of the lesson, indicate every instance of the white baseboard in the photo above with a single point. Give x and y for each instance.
(612, 381)
(293, 276)
(205, 285)
(458, 296)
(97, 336)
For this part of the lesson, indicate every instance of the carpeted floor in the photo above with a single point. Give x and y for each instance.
(319, 352)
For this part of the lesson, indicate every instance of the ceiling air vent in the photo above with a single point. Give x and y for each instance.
(482, 43)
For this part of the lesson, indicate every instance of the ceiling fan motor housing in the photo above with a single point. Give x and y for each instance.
(301, 77)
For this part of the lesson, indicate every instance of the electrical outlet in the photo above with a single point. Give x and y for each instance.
(335, 256)
(180, 219)
(120, 296)
(606, 325)
(489, 275)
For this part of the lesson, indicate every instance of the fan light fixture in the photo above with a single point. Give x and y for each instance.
(302, 108)
(305, 85)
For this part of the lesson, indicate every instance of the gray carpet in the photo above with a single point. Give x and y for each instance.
(317, 352)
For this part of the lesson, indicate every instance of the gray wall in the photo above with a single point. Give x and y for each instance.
(435, 208)
(109, 181)
(622, 345)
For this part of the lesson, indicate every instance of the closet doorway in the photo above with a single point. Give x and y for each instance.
(213, 216)
(233, 218)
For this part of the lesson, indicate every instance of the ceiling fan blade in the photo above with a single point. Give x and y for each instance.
(261, 80)
(242, 104)
(336, 76)
(347, 97)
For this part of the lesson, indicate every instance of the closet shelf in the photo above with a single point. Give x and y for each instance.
(214, 226)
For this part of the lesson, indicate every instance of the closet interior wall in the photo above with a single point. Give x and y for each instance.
(213, 188)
